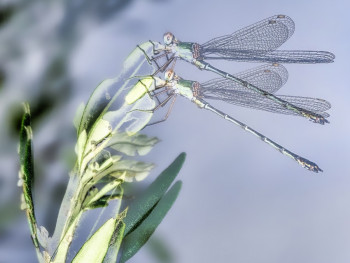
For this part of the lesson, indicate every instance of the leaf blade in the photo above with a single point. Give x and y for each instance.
(140, 207)
(136, 239)
(26, 172)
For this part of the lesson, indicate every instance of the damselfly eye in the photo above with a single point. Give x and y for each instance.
(168, 38)
(169, 74)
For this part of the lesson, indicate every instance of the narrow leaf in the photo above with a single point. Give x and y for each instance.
(103, 201)
(131, 145)
(136, 239)
(26, 173)
(100, 132)
(111, 90)
(79, 147)
(96, 247)
(114, 246)
(141, 206)
(78, 116)
(128, 170)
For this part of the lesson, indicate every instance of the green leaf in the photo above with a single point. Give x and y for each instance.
(114, 245)
(128, 170)
(111, 90)
(98, 101)
(79, 147)
(103, 201)
(131, 145)
(125, 170)
(96, 247)
(94, 144)
(26, 173)
(78, 116)
(141, 206)
(100, 195)
(136, 239)
(100, 132)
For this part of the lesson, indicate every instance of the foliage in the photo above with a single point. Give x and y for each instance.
(108, 140)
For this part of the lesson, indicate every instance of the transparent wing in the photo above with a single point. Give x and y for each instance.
(277, 56)
(315, 105)
(265, 35)
(258, 42)
(269, 78)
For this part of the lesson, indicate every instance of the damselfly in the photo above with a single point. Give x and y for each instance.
(268, 77)
(255, 43)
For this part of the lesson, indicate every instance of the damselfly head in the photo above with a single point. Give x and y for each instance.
(168, 38)
(169, 75)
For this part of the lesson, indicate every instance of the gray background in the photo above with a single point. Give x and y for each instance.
(241, 201)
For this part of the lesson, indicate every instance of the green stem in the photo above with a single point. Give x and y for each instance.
(68, 219)
(66, 241)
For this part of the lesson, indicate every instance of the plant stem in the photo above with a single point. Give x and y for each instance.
(68, 219)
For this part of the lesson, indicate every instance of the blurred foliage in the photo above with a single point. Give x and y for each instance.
(2, 79)
(96, 166)
(9, 212)
(54, 85)
(160, 250)
(6, 13)
(21, 27)
(51, 89)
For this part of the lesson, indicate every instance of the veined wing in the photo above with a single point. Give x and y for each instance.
(269, 78)
(266, 35)
(276, 56)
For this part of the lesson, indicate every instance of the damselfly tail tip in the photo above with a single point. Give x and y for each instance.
(320, 120)
(328, 57)
(315, 168)
(309, 165)
(323, 121)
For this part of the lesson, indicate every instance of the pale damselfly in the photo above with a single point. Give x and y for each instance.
(269, 78)
(255, 43)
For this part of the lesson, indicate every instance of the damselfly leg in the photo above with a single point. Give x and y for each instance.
(168, 112)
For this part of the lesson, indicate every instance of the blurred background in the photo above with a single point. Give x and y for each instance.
(241, 200)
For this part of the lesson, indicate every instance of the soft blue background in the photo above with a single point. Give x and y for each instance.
(241, 201)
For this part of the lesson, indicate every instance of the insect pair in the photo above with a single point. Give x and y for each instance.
(254, 88)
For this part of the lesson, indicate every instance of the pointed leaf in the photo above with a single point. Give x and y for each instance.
(110, 90)
(137, 238)
(102, 202)
(78, 116)
(131, 145)
(96, 247)
(26, 173)
(101, 131)
(128, 170)
(98, 100)
(79, 147)
(141, 206)
(114, 246)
